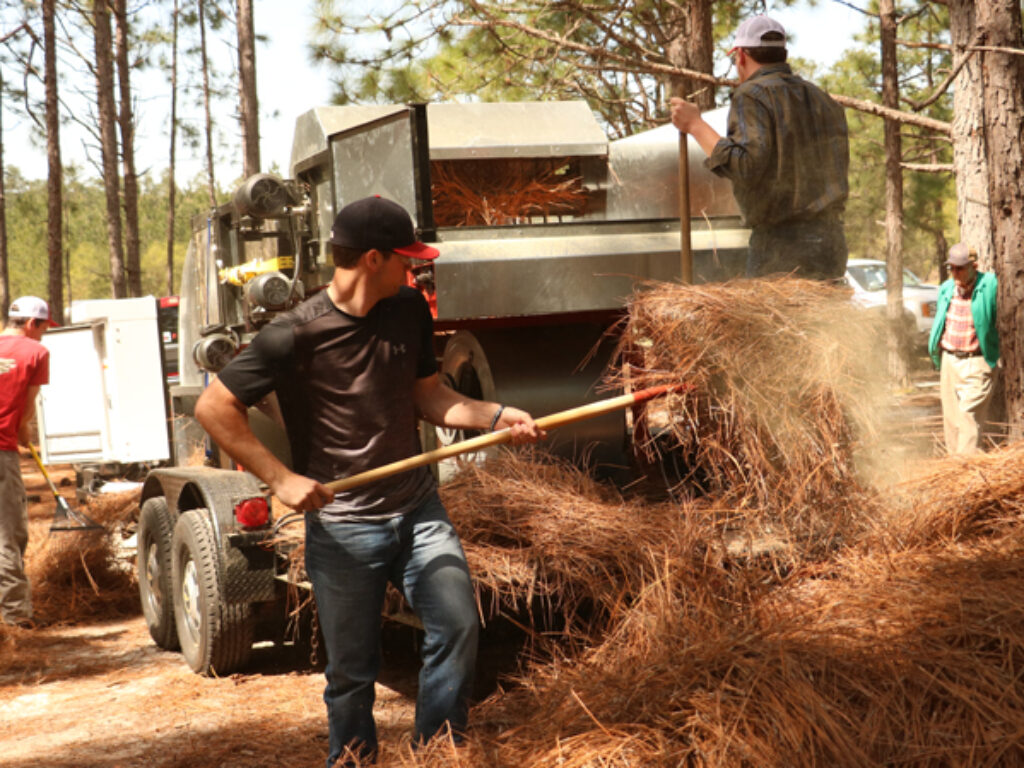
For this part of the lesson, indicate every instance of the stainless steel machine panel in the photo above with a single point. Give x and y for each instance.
(314, 126)
(506, 277)
(643, 179)
(514, 129)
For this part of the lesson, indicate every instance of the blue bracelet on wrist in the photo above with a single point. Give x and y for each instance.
(497, 415)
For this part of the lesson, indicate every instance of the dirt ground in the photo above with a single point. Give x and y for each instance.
(100, 692)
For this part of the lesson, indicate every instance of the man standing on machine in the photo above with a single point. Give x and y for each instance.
(787, 154)
(24, 367)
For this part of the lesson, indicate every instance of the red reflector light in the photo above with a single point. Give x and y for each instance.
(252, 513)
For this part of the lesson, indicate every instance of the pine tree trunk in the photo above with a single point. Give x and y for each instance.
(212, 183)
(897, 337)
(126, 120)
(248, 102)
(999, 24)
(171, 187)
(689, 45)
(5, 276)
(54, 169)
(969, 135)
(108, 143)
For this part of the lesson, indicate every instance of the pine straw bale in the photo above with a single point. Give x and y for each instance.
(907, 660)
(782, 386)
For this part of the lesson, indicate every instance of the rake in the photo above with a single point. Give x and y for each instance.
(65, 518)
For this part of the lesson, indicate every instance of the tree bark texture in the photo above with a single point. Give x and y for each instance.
(999, 24)
(969, 135)
(248, 102)
(108, 143)
(897, 337)
(126, 121)
(689, 44)
(54, 169)
(208, 119)
(171, 186)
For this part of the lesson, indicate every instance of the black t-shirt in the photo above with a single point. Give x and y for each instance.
(345, 387)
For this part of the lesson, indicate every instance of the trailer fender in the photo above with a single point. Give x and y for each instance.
(247, 566)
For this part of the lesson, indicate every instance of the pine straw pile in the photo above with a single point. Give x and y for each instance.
(905, 647)
(74, 576)
(956, 499)
(78, 575)
(783, 386)
(889, 630)
(535, 528)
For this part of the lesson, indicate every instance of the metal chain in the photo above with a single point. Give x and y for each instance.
(314, 641)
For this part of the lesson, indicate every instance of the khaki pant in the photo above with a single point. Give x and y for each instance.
(966, 385)
(15, 598)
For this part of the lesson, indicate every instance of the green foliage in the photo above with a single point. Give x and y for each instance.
(444, 50)
(87, 265)
(26, 234)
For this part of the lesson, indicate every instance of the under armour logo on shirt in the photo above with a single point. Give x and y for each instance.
(399, 349)
(7, 364)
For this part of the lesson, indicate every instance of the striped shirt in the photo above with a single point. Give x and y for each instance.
(959, 334)
(786, 150)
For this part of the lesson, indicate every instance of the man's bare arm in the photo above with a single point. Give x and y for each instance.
(28, 415)
(225, 419)
(686, 118)
(440, 404)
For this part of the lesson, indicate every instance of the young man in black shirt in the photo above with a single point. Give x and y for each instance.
(353, 368)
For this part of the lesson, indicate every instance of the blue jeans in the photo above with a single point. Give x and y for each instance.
(350, 564)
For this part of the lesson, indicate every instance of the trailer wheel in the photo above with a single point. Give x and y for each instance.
(216, 636)
(464, 368)
(153, 566)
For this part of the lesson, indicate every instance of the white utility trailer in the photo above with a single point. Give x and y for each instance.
(106, 403)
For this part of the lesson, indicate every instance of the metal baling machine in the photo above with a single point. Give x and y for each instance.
(545, 228)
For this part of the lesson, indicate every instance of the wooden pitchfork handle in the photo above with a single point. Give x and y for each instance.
(552, 421)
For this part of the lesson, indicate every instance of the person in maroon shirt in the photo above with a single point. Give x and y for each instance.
(24, 367)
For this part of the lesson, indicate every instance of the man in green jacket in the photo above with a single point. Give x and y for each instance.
(964, 345)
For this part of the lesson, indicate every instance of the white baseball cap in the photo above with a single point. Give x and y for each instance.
(30, 308)
(753, 29)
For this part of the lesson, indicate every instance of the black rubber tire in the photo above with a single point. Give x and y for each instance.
(153, 568)
(216, 637)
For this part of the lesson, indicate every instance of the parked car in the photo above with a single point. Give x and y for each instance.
(867, 279)
(167, 319)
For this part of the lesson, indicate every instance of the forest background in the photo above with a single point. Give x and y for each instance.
(398, 56)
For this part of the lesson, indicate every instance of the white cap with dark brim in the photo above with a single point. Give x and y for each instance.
(751, 32)
(31, 308)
